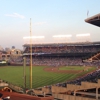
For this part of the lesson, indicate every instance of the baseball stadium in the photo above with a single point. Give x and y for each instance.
(53, 71)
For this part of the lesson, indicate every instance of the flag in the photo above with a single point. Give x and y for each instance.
(87, 13)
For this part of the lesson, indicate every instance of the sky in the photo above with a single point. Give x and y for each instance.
(48, 18)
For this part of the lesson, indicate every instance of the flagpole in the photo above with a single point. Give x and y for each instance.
(87, 13)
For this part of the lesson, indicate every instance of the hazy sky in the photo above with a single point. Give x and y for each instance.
(49, 17)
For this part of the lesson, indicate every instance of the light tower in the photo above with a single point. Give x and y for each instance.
(62, 38)
(83, 37)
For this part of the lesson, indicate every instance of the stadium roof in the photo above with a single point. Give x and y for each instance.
(95, 20)
(64, 44)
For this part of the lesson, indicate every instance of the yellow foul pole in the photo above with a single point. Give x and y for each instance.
(30, 56)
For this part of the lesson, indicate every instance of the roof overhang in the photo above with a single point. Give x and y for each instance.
(95, 20)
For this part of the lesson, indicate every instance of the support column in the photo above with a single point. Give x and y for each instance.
(96, 93)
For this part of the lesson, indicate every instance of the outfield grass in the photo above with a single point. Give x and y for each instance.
(14, 74)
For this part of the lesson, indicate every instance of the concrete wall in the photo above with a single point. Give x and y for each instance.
(70, 97)
(73, 87)
(88, 84)
(56, 89)
(46, 90)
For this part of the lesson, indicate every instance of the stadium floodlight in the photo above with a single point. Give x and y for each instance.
(83, 37)
(38, 37)
(27, 37)
(33, 37)
(62, 36)
(80, 35)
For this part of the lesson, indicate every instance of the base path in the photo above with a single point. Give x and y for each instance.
(56, 69)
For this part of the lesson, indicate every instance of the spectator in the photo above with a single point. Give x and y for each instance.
(1, 96)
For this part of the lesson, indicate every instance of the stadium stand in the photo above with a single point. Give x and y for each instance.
(62, 54)
(85, 54)
(94, 20)
(67, 54)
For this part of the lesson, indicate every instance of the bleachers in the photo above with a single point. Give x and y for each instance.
(75, 92)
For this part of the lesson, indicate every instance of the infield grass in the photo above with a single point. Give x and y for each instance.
(71, 68)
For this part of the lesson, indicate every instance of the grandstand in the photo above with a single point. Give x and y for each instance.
(70, 54)
(94, 20)
(85, 88)
(62, 53)
(67, 54)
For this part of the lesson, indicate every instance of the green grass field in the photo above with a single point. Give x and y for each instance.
(14, 74)
(71, 68)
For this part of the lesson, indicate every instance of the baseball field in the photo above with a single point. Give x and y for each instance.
(42, 75)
